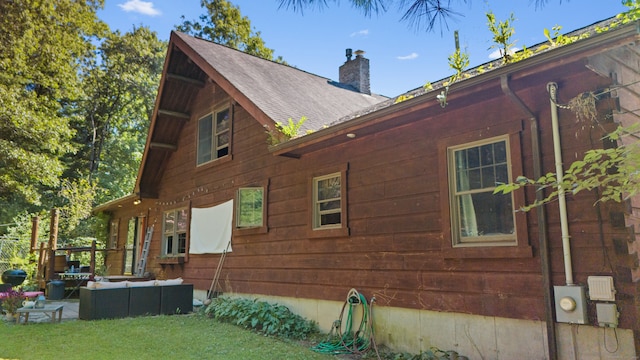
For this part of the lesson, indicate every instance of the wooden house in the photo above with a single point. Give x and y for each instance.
(394, 198)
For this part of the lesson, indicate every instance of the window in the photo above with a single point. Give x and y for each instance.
(478, 217)
(113, 234)
(250, 211)
(174, 232)
(327, 199)
(213, 136)
(328, 202)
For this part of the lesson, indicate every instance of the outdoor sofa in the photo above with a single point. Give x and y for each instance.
(111, 300)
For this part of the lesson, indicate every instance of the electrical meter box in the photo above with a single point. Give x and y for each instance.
(571, 304)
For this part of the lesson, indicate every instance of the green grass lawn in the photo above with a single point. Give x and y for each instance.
(157, 337)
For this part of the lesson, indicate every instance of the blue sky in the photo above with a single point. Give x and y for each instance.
(401, 58)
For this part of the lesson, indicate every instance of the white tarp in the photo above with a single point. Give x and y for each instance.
(211, 229)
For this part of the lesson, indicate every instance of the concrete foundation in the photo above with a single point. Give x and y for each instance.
(477, 337)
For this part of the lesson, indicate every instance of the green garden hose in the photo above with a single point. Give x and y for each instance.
(344, 341)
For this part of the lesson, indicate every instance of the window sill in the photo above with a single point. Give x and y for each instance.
(250, 231)
(488, 252)
(215, 162)
(174, 260)
(327, 233)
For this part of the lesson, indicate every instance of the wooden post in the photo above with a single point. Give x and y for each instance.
(41, 268)
(92, 262)
(52, 263)
(35, 221)
(53, 229)
(53, 244)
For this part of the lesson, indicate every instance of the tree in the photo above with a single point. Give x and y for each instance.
(120, 88)
(66, 108)
(37, 81)
(418, 13)
(225, 25)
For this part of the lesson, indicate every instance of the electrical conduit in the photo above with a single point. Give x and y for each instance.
(552, 88)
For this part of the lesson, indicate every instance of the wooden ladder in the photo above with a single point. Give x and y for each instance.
(142, 263)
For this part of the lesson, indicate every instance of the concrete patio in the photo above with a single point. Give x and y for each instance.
(69, 312)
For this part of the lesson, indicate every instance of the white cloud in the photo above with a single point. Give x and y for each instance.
(408, 57)
(364, 32)
(142, 7)
(498, 54)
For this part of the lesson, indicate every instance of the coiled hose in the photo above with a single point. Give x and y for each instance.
(347, 341)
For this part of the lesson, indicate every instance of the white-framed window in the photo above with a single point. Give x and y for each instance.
(113, 233)
(478, 217)
(214, 135)
(174, 232)
(250, 208)
(327, 201)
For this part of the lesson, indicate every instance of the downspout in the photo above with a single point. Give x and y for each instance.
(549, 306)
(552, 88)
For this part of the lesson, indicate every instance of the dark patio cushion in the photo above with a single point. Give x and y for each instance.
(103, 303)
(144, 300)
(176, 299)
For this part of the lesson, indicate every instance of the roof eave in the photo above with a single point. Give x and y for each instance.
(114, 204)
(331, 136)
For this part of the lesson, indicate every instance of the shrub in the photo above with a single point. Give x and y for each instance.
(269, 319)
(12, 301)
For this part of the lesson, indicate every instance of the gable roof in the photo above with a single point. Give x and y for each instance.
(279, 91)
(270, 92)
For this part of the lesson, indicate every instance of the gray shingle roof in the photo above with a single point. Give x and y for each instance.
(282, 91)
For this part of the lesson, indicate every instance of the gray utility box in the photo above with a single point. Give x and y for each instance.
(571, 304)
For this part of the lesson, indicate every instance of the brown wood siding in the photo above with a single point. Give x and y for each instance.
(394, 250)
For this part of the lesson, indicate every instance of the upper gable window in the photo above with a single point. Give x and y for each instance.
(213, 136)
(477, 215)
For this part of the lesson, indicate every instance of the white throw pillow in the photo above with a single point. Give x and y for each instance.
(111, 285)
(177, 281)
(141, 283)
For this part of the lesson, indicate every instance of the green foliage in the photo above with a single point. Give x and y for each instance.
(557, 39)
(19, 234)
(79, 196)
(225, 25)
(120, 90)
(431, 354)
(269, 319)
(37, 83)
(626, 17)
(458, 61)
(285, 132)
(502, 32)
(402, 98)
(613, 171)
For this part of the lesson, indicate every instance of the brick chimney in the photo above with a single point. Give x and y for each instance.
(356, 72)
